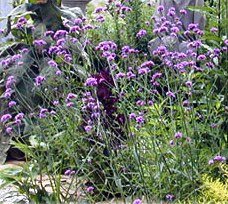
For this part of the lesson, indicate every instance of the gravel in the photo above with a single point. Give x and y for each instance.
(9, 195)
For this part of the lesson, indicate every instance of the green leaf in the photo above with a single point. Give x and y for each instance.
(203, 9)
(212, 37)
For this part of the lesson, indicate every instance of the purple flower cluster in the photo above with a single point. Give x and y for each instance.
(217, 159)
(139, 119)
(127, 50)
(39, 43)
(69, 99)
(90, 189)
(100, 9)
(92, 109)
(137, 201)
(60, 50)
(10, 60)
(107, 48)
(169, 197)
(145, 67)
(69, 172)
(53, 63)
(91, 81)
(43, 112)
(21, 22)
(6, 117)
(10, 81)
(141, 33)
(178, 135)
(60, 34)
(39, 80)
(12, 104)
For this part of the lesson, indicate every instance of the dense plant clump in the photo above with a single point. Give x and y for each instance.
(89, 100)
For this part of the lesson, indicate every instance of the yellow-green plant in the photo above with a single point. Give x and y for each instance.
(215, 189)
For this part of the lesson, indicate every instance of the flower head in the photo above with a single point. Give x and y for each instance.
(219, 158)
(9, 130)
(178, 134)
(39, 80)
(39, 43)
(6, 117)
(160, 8)
(90, 189)
(91, 81)
(170, 94)
(88, 128)
(141, 33)
(169, 197)
(137, 201)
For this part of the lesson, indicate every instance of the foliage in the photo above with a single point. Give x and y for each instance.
(215, 190)
(89, 100)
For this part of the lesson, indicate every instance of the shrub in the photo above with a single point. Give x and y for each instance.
(126, 121)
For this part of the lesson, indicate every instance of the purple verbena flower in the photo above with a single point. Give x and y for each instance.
(132, 116)
(19, 116)
(88, 128)
(140, 119)
(77, 21)
(70, 104)
(12, 104)
(156, 75)
(75, 29)
(10, 81)
(43, 112)
(91, 81)
(219, 158)
(175, 29)
(140, 103)
(141, 33)
(60, 34)
(171, 12)
(211, 161)
(9, 130)
(67, 172)
(120, 75)
(39, 43)
(52, 63)
(188, 83)
(169, 197)
(137, 201)
(201, 57)
(144, 70)
(226, 42)
(99, 9)
(39, 80)
(55, 103)
(214, 30)
(160, 8)
(24, 50)
(8, 93)
(71, 96)
(183, 11)
(185, 103)
(6, 117)
(49, 33)
(170, 94)
(178, 135)
(147, 64)
(100, 18)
